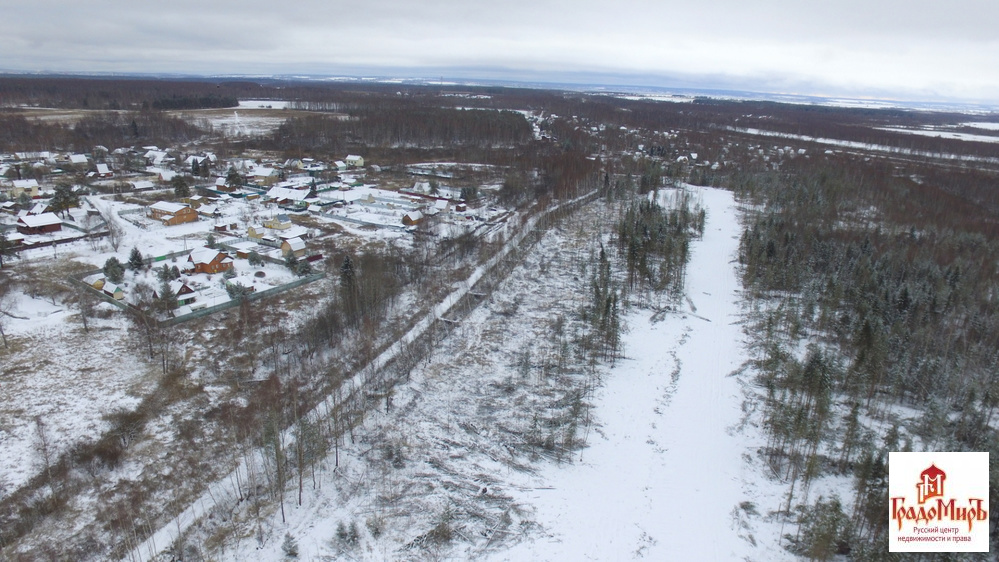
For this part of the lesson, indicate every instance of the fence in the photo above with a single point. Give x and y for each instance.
(236, 302)
(201, 313)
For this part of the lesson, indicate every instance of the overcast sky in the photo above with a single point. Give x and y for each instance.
(881, 48)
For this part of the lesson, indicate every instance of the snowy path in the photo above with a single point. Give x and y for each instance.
(664, 474)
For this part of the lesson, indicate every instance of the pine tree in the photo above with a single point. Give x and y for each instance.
(113, 270)
(180, 187)
(135, 261)
(166, 297)
(290, 546)
(290, 261)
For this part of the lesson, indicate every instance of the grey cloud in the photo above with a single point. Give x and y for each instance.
(908, 46)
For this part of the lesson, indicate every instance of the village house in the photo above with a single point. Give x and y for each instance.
(39, 224)
(208, 260)
(103, 172)
(184, 293)
(265, 176)
(279, 222)
(24, 186)
(172, 213)
(113, 291)
(354, 161)
(412, 218)
(294, 245)
(256, 231)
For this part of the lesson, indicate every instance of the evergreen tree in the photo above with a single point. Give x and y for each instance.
(180, 186)
(290, 261)
(164, 273)
(233, 179)
(114, 271)
(348, 280)
(303, 268)
(254, 259)
(63, 199)
(135, 261)
(166, 297)
(290, 546)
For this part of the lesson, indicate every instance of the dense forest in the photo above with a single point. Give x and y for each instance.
(889, 285)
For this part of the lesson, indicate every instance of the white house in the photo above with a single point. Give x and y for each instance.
(354, 161)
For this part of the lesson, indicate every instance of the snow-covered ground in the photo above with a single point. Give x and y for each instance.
(864, 146)
(65, 378)
(670, 471)
(942, 134)
(665, 475)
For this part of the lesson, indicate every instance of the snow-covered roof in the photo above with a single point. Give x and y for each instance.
(155, 156)
(293, 232)
(142, 184)
(38, 208)
(77, 159)
(167, 207)
(286, 193)
(206, 255)
(103, 169)
(25, 184)
(44, 219)
(296, 244)
(166, 175)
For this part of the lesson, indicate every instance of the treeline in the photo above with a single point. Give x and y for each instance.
(117, 93)
(195, 102)
(425, 127)
(882, 279)
(108, 129)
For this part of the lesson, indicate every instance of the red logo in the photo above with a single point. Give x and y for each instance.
(931, 484)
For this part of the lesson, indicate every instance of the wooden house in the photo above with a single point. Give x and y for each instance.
(24, 186)
(280, 222)
(412, 218)
(184, 293)
(208, 260)
(103, 172)
(255, 231)
(294, 245)
(354, 161)
(172, 213)
(113, 291)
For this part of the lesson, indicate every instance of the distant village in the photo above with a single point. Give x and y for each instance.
(202, 215)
